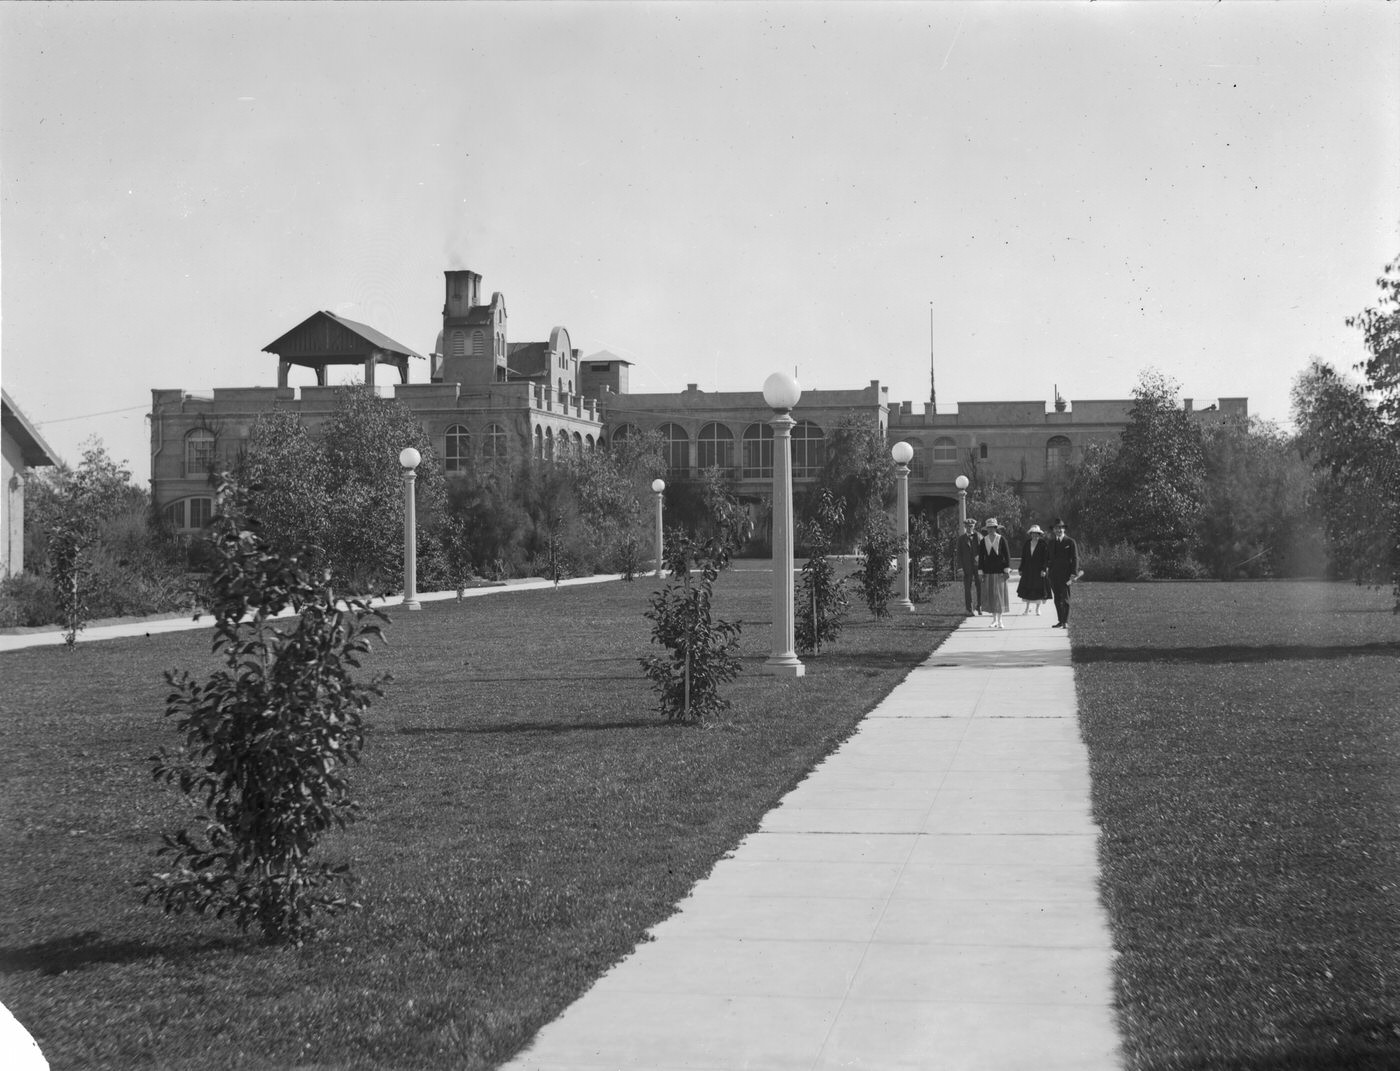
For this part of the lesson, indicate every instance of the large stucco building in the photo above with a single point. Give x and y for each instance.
(488, 401)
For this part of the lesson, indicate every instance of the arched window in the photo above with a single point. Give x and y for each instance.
(676, 449)
(982, 451)
(190, 515)
(457, 455)
(944, 449)
(716, 447)
(549, 446)
(459, 343)
(588, 443)
(493, 445)
(1057, 452)
(199, 452)
(623, 432)
(808, 450)
(539, 442)
(578, 445)
(918, 466)
(758, 452)
(563, 450)
(478, 343)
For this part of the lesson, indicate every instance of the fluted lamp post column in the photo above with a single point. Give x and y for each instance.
(659, 487)
(961, 484)
(410, 458)
(781, 392)
(903, 453)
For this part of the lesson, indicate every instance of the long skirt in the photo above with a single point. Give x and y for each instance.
(994, 600)
(1033, 588)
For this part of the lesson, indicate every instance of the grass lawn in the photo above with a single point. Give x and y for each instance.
(1245, 750)
(527, 817)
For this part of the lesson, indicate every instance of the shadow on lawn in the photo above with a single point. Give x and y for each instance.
(1364, 1045)
(871, 660)
(655, 722)
(1230, 653)
(86, 949)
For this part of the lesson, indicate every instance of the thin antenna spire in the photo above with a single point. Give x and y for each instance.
(932, 385)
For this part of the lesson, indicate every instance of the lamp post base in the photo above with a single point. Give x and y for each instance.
(410, 604)
(785, 666)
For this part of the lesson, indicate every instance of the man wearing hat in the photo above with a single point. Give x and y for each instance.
(1062, 559)
(965, 557)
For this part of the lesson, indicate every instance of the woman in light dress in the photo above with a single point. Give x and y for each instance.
(993, 560)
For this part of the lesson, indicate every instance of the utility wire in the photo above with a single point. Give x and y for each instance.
(85, 416)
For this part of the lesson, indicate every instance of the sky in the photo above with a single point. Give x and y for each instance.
(1033, 195)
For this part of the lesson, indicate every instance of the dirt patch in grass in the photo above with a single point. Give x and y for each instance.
(527, 817)
(1245, 752)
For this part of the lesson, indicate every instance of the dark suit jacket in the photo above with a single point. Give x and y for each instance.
(965, 552)
(994, 561)
(1063, 559)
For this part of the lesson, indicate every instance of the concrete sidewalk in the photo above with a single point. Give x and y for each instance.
(927, 898)
(52, 635)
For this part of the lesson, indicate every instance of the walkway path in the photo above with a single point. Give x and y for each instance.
(927, 898)
(52, 635)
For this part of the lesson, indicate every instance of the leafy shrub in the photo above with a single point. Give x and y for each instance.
(821, 597)
(1176, 567)
(700, 650)
(878, 548)
(266, 743)
(925, 561)
(27, 600)
(1116, 562)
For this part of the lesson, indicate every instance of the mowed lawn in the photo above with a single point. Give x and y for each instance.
(528, 815)
(1245, 752)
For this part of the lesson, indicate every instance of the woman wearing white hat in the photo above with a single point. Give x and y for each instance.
(1034, 585)
(993, 559)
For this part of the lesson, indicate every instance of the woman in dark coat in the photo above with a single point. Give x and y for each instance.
(993, 560)
(1034, 585)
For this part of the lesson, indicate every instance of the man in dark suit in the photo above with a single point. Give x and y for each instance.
(1062, 557)
(965, 557)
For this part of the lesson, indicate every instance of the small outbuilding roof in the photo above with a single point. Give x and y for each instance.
(33, 449)
(605, 357)
(324, 337)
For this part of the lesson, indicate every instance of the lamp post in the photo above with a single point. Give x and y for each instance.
(781, 392)
(409, 458)
(659, 487)
(961, 484)
(903, 453)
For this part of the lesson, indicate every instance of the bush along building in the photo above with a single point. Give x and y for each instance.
(489, 401)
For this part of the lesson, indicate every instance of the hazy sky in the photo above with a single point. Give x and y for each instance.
(711, 190)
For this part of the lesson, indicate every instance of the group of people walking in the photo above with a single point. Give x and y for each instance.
(1048, 566)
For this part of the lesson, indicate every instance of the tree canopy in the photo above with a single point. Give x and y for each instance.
(1151, 493)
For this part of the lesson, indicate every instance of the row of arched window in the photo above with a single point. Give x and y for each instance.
(550, 446)
(1058, 450)
(715, 446)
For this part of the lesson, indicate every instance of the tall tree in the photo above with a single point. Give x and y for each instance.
(344, 494)
(1151, 494)
(858, 471)
(1381, 327)
(1257, 519)
(1353, 449)
(281, 476)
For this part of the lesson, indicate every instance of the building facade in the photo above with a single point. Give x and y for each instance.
(489, 401)
(21, 448)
